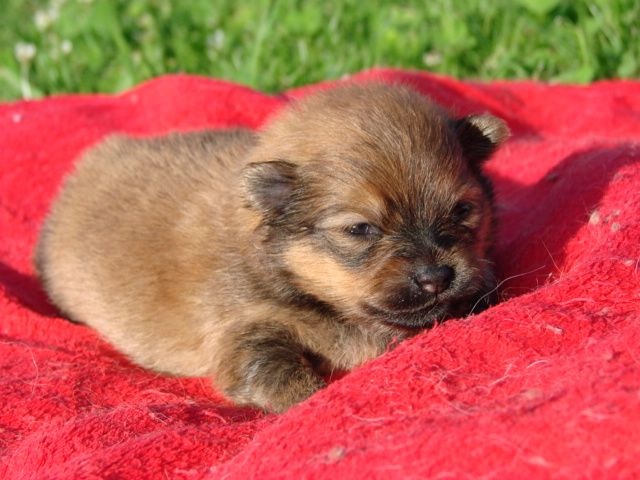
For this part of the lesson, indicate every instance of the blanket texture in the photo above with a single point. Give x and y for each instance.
(545, 384)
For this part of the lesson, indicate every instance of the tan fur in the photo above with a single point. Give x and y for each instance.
(228, 254)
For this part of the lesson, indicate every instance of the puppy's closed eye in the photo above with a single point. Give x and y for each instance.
(462, 211)
(363, 230)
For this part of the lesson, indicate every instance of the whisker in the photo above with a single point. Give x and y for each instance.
(494, 289)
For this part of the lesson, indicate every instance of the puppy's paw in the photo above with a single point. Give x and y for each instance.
(292, 386)
(268, 368)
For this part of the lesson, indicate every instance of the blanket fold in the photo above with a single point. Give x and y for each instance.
(544, 384)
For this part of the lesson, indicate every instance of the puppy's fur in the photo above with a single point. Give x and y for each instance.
(262, 260)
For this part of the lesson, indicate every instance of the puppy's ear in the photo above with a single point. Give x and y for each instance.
(480, 136)
(269, 185)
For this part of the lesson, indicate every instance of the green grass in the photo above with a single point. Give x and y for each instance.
(110, 45)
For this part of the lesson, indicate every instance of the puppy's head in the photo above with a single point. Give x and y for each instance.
(373, 202)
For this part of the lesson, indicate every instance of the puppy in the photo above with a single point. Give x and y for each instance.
(264, 260)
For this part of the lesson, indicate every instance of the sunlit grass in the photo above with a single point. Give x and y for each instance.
(110, 45)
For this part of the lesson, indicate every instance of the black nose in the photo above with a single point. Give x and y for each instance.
(433, 279)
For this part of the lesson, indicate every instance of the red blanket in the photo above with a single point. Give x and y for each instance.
(545, 384)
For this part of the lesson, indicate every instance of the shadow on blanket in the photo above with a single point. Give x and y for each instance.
(26, 290)
(536, 222)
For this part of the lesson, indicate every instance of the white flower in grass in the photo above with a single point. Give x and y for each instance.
(44, 18)
(216, 39)
(431, 59)
(66, 46)
(24, 52)
(146, 21)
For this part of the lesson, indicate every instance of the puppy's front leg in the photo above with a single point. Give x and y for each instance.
(265, 365)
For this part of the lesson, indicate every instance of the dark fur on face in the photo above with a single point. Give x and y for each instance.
(358, 216)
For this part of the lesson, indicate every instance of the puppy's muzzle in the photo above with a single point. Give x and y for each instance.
(434, 279)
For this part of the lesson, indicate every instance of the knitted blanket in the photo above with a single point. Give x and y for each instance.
(546, 384)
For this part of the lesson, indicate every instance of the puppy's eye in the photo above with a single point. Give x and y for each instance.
(461, 211)
(363, 230)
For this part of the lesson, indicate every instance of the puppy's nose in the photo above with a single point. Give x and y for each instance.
(434, 279)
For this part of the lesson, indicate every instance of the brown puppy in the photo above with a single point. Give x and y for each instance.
(358, 216)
